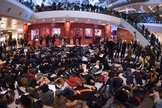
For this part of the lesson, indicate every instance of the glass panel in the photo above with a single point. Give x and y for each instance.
(44, 32)
(113, 31)
(98, 32)
(35, 34)
(78, 32)
(88, 33)
(56, 32)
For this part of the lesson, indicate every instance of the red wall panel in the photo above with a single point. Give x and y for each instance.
(70, 33)
(124, 34)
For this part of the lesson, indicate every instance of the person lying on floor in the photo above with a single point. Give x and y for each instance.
(87, 78)
(156, 97)
(114, 81)
(63, 102)
(152, 79)
(96, 67)
(138, 94)
(122, 95)
(46, 95)
(74, 81)
(81, 93)
(24, 99)
(138, 77)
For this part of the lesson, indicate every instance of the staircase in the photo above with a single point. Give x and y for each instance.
(138, 35)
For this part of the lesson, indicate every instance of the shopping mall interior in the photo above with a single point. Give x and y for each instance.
(81, 22)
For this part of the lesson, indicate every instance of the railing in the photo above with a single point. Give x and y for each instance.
(88, 8)
(127, 3)
(145, 32)
(153, 16)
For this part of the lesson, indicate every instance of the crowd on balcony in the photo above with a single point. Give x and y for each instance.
(64, 6)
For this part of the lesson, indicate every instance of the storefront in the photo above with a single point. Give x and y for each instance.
(68, 30)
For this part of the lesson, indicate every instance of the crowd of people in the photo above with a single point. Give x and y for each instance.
(151, 37)
(99, 9)
(74, 72)
(65, 6)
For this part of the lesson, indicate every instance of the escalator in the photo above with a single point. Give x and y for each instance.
(138, 35)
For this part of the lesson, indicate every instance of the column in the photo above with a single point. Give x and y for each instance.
(25, 31)
(141, 8)
(0, 26)
(67, 30)
(107, 31)
(126, 10)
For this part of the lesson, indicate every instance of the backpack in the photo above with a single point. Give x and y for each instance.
(38, 104)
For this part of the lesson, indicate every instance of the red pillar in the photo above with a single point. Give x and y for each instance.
(67, 30)
(25, 31)
(107, 31)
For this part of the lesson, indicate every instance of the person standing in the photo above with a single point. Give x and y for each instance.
(53, 40)
(124, 46)
(118, 48)
(129, 54)
(47, 40)
(79, 40)
(1, 51)
(60, 39)
(143, 28)
(40, 40)
(74, 40)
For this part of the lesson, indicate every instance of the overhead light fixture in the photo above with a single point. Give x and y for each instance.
(151, 8)
(53, 19)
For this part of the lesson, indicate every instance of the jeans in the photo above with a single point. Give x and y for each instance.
(158, 104)
(114, 83)
(67, 91)
(129, 80)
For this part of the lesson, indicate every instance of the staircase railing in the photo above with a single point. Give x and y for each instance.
(145, 33)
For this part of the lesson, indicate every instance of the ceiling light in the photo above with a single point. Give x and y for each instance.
(98, 21)
(53, 19)
(43, 19)
(75, 19)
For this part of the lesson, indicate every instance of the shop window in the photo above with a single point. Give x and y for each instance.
(88, 33)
